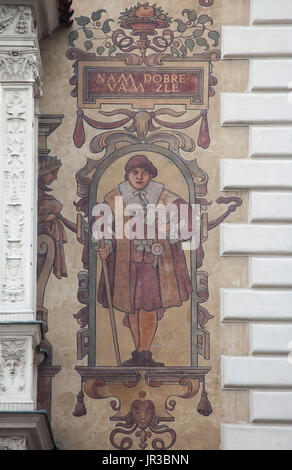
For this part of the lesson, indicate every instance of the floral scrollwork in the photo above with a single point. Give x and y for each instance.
(138, 31)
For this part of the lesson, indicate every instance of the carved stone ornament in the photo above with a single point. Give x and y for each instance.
(17, 19)
(13, 443)
(12, 289)
(12, 366)
(19, 66)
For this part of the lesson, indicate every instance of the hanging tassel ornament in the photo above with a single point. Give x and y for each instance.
(80, 409)
(204, 138)
(79, 134)
(204, 406)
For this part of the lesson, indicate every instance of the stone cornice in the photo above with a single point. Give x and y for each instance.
(32, 427)
(19, 50)
(46, 14)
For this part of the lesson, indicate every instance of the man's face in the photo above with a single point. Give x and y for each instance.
(139, 178)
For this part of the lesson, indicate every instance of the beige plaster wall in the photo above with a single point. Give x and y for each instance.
(193, 431)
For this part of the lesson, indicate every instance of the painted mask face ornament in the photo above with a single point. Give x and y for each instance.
(143, 413)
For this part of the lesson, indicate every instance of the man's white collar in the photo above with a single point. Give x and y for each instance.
(151, 192)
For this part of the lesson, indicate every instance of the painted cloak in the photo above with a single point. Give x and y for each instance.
(134, 282)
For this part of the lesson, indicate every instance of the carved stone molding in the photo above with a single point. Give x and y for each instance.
(16, 19)
(16, 63)
(21, 66)
(39, 18)
(14, 188)
(19, 75)
(19, 358)
(13, 443)
(31, 429)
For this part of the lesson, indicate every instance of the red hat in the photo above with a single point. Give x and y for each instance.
(140, 161)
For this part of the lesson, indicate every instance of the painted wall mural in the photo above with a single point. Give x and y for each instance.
(142, 89)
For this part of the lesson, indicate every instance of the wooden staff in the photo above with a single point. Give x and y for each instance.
(110, 306)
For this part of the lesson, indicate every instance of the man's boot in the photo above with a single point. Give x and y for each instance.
(145, 360)
(133, 362)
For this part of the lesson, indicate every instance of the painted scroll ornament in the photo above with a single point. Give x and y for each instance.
(139, 32)
(142, 124)
(138, 414)
(145, 27)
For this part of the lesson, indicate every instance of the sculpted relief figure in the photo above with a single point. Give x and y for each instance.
(147, 273)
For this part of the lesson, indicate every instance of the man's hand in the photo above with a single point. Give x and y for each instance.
(104, 252)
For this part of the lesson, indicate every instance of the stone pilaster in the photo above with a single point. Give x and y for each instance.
(20, 332)
(19, 93)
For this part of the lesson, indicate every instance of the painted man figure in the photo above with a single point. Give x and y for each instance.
(147, 275)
